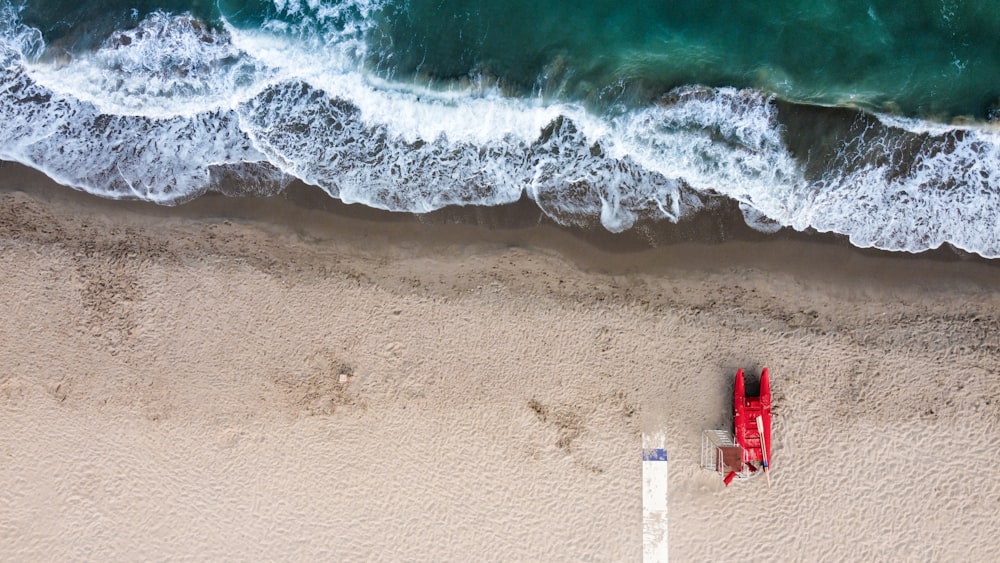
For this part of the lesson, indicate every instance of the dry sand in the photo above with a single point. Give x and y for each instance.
(248, 380)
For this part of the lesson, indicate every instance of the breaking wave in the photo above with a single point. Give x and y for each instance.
(172, 108)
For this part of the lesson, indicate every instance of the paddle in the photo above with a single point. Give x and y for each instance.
(763, 449)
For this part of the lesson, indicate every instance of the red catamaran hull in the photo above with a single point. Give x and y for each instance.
(747, 433)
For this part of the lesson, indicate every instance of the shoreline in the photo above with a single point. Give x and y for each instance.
(257, 378)
(710, 239)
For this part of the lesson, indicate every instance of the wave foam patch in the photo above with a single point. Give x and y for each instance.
(468, 112)
(331, 33)
(24, 40)
(894, 184)
(168, 65)
(341, 18)
(573, 179)
(897, 190)
(724, 141)
(159, 160)
(326, 142)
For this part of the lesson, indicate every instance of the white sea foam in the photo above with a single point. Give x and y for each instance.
(473, 113)
(725, 141)
(170, 109)
(160, 160)
(169, 65)
(946, 190)
(23, 40)
(914, 125)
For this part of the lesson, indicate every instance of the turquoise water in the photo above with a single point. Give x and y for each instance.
(925, 58)
(861, 118)
(921, 58)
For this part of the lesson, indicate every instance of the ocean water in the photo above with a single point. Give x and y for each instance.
(876, 120)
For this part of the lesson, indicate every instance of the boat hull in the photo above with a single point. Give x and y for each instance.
(754, 438)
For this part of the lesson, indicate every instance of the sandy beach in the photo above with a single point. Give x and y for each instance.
(252, 379)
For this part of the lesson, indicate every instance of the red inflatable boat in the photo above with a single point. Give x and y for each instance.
(747, 451)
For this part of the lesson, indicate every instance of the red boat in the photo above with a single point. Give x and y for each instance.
(747, 451)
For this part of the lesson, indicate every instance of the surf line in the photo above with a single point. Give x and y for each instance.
(654, 498)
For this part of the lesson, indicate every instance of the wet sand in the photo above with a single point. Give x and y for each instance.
(289, 378)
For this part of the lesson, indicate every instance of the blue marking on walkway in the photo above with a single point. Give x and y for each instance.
(654, 454)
